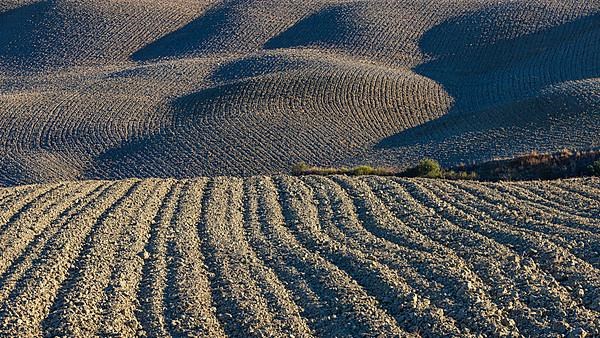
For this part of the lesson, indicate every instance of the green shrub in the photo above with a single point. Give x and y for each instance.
(426, 168)
(362, 170)
(594, 168)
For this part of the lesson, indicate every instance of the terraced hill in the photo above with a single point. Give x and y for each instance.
(282, 256)
(116, 89)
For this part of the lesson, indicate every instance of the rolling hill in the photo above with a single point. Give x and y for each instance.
(145, 146)
(117, 89)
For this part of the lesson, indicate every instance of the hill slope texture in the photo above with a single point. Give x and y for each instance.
(282, 256)
(112, 89)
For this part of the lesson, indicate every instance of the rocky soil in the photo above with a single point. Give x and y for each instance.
(300, 257)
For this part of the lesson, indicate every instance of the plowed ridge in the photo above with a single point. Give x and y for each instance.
(311, 256)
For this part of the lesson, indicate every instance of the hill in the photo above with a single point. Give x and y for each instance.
(311, 256)
(117, 89)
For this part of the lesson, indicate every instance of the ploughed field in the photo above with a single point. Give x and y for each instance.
(113, 89)
(310, 256)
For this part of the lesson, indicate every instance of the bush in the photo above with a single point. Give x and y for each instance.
(426, 168)
(594, 168)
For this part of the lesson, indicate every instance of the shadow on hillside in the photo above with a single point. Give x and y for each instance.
(22, 35)
(502, 79)
(183, 149)
(194, 37)
(327, 26)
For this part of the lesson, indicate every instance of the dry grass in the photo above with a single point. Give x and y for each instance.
(536, 165)
(303, 169)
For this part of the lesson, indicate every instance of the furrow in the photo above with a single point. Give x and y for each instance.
(311, 306)
(434, 271)
(510, 284)
(394, 282)
(379, 282)
(568, 233)
(240, 278)
(29, 304)
(192, 308)
(521, 250)
(520, 196)
(77, 309)
(284, 296)
(580, 278)
(12, 211)
(286, 312)
(151, 290)
(579, 191)
(23, 263)
(37, 216)
(120, 305)
(11, 196)
(554, 198)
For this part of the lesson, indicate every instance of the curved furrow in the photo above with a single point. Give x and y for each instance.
(242, 283)
(534, 253)
(565, 232)
(589, 193)
(593, 184)
(153, 284)
(13, 211)
(568, 202)
(30, 253)
(313, 306)
(192, 307)
(562, 212)
(540, 246)
(274, 290)
(35, 217)
(292, 290)
(23, 313)
(79, 298)
(512, 286)
(459, 292)
(338, 305)
(120, 304)
(393, 282)
(10, 196)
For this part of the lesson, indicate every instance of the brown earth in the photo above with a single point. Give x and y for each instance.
(100, 97)
(312, 256)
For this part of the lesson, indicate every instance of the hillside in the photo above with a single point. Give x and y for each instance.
(146, 148)
(113, 89)
(276, 256)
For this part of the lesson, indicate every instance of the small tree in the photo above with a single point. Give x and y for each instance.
(428, 168)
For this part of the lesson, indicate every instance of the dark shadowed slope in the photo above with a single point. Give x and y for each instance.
(545, 82)
(231, 26)
(51, 34)
(283, 109)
